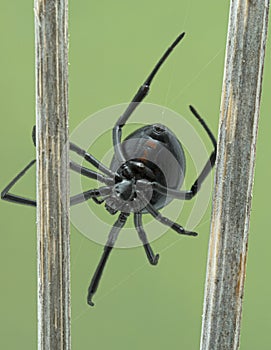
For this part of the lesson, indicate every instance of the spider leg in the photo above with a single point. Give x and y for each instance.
(90, 173)
(118, 225)
(210, 162)
(5, 195)
(189, 194)
(88, 157)
(139, 96)
(153, 259)
(82, 197)
(176, 227)
(92, 160)
(159, 217)
(97, 201)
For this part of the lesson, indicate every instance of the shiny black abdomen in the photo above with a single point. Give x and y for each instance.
(160, 151)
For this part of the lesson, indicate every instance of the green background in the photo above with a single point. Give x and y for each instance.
(113, 45)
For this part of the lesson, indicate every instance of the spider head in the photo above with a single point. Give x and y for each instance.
(127, 196)
(125, 190)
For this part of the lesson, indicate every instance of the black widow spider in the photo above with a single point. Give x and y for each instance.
(141, 178)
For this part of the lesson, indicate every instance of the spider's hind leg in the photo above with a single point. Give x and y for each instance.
(189, 194)
(137, 99)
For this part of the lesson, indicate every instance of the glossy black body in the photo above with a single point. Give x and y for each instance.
(159, 150)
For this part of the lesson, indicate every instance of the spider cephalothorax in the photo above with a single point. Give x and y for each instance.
(145, 174)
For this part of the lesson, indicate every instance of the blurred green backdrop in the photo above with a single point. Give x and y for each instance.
(113, 45)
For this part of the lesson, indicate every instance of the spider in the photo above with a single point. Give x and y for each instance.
(141, 178)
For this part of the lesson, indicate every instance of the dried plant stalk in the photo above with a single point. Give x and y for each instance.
(234, 174)
(51, 18)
